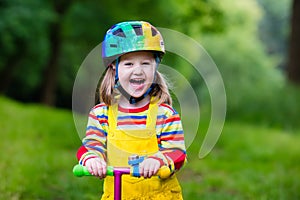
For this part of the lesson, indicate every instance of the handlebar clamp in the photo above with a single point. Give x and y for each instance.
(134, 162)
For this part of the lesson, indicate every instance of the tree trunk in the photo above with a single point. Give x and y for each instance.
(293, 68)
(51, 72)
(49, 85)
(7, 74)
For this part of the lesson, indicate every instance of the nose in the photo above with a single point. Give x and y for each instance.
(138, 70)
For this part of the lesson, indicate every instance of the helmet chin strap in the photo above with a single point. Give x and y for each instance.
(131, 99)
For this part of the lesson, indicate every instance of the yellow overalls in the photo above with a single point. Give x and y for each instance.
(121, 144)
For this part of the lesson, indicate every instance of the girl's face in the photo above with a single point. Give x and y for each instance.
(136, 72)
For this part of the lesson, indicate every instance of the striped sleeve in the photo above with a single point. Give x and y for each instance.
(94, 141)
(171, 138)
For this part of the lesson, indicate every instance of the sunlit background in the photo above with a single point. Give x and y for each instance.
(254, 44)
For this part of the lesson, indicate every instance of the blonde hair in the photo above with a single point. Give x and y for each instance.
(106, 92)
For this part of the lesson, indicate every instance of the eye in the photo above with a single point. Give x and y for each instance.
(146, 63)
(128, 64)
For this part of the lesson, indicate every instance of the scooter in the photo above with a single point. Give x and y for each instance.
(134, 161)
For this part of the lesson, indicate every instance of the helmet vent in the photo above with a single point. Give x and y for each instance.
(154, 31)
(119, 32)
(138, 29)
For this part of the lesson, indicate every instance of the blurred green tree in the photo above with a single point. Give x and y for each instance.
(44, 43)
(250, 75)
(24, 46)
(275, 22)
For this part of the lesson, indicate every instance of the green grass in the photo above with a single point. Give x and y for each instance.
(38, 151)
(248, 162)
(39, 144)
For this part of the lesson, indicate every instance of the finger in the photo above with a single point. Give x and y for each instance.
(156, 168)
(150, 170)
(146, 173)
(93, 166)
(150, 174)
(103, 169)
(89, 168)
(141, 169)
(153, 167)
(99, 169)
(147, 170)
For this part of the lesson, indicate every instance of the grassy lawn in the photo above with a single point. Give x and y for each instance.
(38, 147)
(248, 162)
(38, 151)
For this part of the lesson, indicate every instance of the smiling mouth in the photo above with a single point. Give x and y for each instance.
(137, 81)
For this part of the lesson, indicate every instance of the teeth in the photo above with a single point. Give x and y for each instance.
(137, 81)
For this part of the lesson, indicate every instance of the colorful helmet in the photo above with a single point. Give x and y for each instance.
(131, 36)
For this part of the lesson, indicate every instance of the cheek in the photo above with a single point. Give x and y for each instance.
(151, 79)
(124, 78)
(151, 75)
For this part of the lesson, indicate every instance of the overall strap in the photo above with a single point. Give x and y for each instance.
(152, 115)
(113, 116)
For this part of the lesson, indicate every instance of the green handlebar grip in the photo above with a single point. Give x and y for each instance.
(110, 171)
(80, 170)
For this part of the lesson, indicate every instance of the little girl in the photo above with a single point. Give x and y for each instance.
(135, 116)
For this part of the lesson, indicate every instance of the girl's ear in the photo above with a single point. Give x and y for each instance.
(113, 66)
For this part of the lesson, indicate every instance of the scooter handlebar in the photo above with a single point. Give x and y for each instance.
(80, 170)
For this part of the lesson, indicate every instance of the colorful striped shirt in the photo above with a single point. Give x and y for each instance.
(169, 132)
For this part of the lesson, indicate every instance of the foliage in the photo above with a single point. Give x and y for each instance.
(229, 30)
(39, 145)
(275, 22)
(194, 17)
(24, 44)
(83, 27)
(256, 90)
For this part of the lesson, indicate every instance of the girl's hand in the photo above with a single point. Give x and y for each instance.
(149, 167)
(96, 166)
